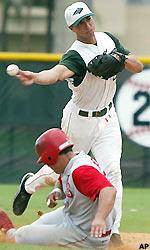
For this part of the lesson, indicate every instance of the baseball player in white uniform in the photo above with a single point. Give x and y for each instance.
(89, 118)
(87, 217)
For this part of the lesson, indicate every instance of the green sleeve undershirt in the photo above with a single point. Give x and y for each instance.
(74, 62)
(118, 45)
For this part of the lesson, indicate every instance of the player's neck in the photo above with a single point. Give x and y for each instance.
(87, 40)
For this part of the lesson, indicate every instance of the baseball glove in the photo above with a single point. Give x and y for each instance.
(107, 65)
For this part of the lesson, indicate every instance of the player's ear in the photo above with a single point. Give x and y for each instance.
(73, 28)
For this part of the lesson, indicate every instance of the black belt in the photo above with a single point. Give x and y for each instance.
(95, 113)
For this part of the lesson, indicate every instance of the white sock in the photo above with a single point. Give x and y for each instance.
(11, 233)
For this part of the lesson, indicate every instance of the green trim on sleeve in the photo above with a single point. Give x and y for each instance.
(118, 45)
(74, 62)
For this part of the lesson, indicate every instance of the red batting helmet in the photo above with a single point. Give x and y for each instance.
(50, 144)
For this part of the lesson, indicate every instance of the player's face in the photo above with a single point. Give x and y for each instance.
(60, 165)
(85, 28)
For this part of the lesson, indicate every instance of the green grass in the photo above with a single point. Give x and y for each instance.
(37, 202)
(136, 212)
(4, 246)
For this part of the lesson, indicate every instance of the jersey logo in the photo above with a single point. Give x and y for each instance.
(69, 194)
(77, 11)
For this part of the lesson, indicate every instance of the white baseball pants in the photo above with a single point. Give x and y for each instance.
(55, 228)
(101, 136)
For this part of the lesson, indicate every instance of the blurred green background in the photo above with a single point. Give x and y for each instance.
(25, 112)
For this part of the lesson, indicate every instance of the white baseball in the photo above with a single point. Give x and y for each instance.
(12, 70)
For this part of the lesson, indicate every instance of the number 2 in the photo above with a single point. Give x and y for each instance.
(146, 104)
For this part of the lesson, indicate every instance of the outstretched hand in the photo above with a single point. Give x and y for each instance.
(98, 227)
(52, 199)
(26, 77)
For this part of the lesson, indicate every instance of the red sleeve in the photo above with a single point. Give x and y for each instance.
(89, 181)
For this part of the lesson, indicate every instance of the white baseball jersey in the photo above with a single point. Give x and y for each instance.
(90, 92)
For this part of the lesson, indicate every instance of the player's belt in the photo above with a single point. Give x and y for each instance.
(95, 113)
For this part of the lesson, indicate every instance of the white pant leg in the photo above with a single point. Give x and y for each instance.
(107, 152)
(55, 229)
(51, 229)
(55, 234)
(54, 217)
(44, 177)
(103, 137)
(107, 149)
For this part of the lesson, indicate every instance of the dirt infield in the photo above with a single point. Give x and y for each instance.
(3, 238)
(131, 241)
